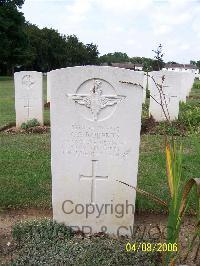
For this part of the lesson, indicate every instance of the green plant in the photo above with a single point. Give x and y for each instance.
(45, 230)
(189, 115)
(30, 123)
(169, 129)
(179, 189)
(196, 85)
(145, 110)
(179, 194)
(48, 243)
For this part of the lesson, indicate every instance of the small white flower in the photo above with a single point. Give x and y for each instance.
(8, 244)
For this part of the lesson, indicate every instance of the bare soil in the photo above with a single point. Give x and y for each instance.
(37, 129)
(7, 220)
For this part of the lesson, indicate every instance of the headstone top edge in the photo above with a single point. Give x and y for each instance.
(95, 67)
(167, 73)
(26, 72)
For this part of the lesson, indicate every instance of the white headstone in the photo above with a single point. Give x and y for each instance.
(164, 102)
(186, 86)
(145, 83)
(95, 136)
(197, 76)
(191, 78)
(48, 89)
(28, 96)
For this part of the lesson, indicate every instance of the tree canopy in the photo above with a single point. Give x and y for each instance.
(118, 57)
(159, 57)
(15, 3)
(26, 47)
(12, 36)
(48, 49)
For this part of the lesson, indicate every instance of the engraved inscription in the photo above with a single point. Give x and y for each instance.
(94, 141)
(164, 97)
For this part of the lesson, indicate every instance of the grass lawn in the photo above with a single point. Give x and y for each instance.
(25, 170)
(25, 176)
(7, 101)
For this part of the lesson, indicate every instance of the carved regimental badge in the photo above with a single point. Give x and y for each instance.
(27, 81)
(99, 97)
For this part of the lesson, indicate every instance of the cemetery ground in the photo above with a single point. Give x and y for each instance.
(25, 190)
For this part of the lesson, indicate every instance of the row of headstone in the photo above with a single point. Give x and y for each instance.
(95, 127)
(176, 87)
(95, 137)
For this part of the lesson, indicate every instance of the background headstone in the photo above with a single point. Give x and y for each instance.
(48, 89)
(184, 86)
(95, 136)
(28, 96)
(145, 84)
(169, 97)
(191, 78)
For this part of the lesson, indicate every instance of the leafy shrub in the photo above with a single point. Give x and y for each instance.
(44, 230)
(30, 123)
(49, 243)
(196, 85)
(169, 129)
(189, 115)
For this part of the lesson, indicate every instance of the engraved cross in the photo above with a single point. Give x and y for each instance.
(28, 108)
(93, 179)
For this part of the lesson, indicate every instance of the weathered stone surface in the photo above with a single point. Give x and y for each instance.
(95, 136)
